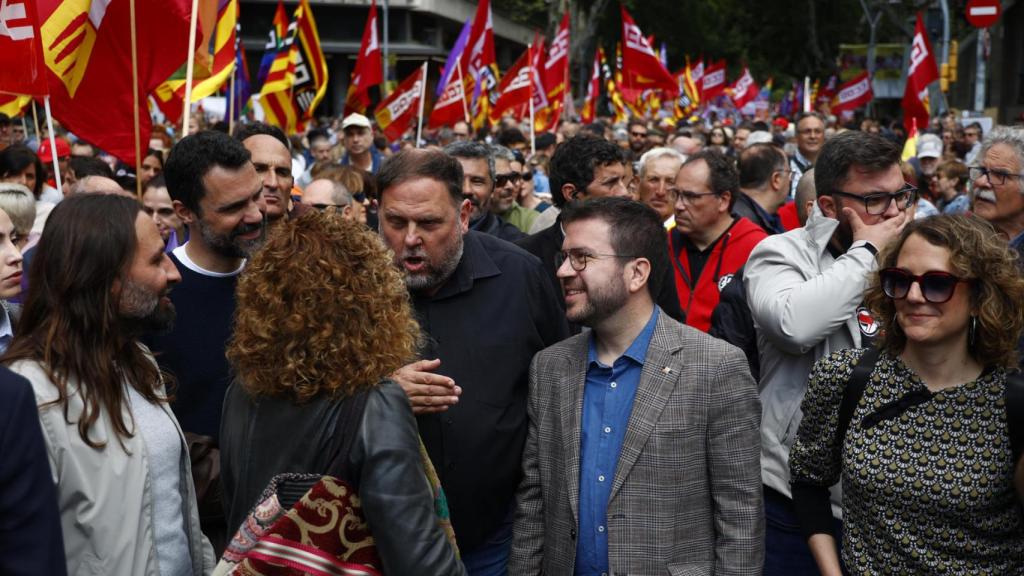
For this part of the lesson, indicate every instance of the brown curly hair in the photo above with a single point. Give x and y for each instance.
(321, 309)
(978, 252)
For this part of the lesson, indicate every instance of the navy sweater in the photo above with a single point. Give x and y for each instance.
(193, 351)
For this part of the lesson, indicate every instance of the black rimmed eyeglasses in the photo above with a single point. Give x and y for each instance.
(877, 203)
(578, 259)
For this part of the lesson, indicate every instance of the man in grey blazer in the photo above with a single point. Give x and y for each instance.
(642, 455)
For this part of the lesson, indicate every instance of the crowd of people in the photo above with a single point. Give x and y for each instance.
(781, 348)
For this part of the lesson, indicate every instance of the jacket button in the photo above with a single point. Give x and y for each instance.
(572, 533)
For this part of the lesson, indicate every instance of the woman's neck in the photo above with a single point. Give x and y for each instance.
(942, 366)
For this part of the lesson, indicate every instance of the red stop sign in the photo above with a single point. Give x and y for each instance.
(983, 13)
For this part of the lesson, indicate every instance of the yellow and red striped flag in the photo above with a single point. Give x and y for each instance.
(297, 80)
(170, 95)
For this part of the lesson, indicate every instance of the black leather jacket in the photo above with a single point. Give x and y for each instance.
(262, 437)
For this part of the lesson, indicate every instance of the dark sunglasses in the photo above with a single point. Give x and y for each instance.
(502, 179)
(936, 287)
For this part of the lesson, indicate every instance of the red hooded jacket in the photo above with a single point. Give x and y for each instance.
(729, 253)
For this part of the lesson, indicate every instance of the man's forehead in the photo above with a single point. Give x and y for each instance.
(474, 165)
(589, 233)
(266, 149)
(226, 185)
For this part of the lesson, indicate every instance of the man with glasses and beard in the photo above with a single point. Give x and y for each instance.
(805, 289)
(218, 194)
(485, 309)
(642, 451)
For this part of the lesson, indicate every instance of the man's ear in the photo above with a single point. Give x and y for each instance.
(828, 207)
(725, 198)
(184, 214)
(569, 192)
(639, 276)
(465, 209)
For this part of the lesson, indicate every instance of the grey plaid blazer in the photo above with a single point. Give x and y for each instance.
(686, 498)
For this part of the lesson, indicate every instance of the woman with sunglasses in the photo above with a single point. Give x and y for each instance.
(925, 460)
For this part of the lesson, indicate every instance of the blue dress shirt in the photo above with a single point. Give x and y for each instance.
(607, 403)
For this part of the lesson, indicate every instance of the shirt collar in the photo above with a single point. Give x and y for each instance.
(475, 264)
(6, 329)
(637, 351)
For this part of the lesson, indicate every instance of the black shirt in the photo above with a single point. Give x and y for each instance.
(485, 323)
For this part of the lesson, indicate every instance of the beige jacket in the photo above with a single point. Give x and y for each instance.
(104, 494)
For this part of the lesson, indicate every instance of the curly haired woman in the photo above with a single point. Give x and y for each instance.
(322, 317)
(926, 461)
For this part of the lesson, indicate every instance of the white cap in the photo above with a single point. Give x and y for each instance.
(355, 120)
(929, 146)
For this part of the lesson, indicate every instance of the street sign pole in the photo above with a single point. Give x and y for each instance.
(981, 14)
(979, 76)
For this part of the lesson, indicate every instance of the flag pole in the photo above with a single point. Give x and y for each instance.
(529, 60)
(231, 101)
(53, 142)
(135, 102)
(423, 96)
(188, 65)
(462, 82)
(35, 121)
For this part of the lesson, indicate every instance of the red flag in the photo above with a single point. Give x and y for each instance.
(830, 90)
(89, 63)
(22, 70)
(395, 112)
(515, 88)
(922, 72)
(556, 67)
(640, 61)
(478, 62)
(713, 81)
(451, 106)
(589, 112)
(744, 89)
(369, 67)
(853, 94)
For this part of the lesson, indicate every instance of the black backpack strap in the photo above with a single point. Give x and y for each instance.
(855, 389)
(1014, 395)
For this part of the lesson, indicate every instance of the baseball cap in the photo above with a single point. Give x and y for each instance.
(63, 150)
(355, 119)
(929, 146)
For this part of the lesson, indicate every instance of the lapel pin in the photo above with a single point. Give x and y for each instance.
(666, 370)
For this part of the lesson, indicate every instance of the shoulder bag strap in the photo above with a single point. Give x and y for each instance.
(854, 390)
(1014, 394)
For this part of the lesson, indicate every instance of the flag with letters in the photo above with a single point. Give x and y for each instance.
(401, 107)
(368, 71)
(921, 73)
(22, 69)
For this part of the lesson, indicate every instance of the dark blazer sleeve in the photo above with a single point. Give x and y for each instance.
(30, 531)
(396, 499)
(668, 298)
